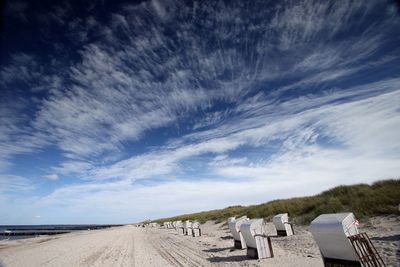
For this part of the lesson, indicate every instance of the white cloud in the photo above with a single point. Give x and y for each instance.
(299, 135)
(159, 8)
(52, 177)
(73, 167)
(15, 131)
(123, 87)
(14, 183)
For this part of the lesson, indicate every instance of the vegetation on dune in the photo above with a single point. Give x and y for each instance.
(364, 200)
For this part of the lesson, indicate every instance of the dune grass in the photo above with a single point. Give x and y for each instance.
(382, 197)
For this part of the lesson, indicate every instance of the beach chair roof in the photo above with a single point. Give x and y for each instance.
(187, 224)
(195, 224)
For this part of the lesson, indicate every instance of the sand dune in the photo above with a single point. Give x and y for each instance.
(132, 246)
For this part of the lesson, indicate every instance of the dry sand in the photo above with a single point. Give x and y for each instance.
(133, 246)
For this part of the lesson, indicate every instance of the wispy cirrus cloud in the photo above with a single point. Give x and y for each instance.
(14, 183)
(138, 88)
(15, 131)
(308, 127)
(306, 162)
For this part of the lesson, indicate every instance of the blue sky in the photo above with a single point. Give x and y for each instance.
(119, 111)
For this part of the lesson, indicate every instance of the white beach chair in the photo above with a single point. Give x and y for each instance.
(180, 228)
(257, 242)
(188, 228)
(196, 229)
(234, 226)
(282, 225)
(340, 243)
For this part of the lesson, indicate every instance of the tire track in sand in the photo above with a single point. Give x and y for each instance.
(177, 251)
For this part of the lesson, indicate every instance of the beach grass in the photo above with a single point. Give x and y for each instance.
(380, 198)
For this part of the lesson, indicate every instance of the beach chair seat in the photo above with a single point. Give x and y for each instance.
(258, 243)
(282, 225)
(234, 227)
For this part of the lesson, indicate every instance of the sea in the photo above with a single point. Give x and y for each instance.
(14, 232)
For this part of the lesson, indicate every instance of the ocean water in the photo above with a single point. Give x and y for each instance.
(33, 231)
(16, 237)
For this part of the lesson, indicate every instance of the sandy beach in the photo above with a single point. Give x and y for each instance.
(134, 246)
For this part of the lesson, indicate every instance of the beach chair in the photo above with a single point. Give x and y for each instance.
(196, 229)
(282, 225)
(234, 227)
(341, 244)
(188, 228)
(257, 242)
(180, 228)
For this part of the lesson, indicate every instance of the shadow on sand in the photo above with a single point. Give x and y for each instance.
(213, 250)
(226, 237)
(387, 238)
(228, 258)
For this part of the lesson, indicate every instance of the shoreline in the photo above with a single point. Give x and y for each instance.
(136, 246)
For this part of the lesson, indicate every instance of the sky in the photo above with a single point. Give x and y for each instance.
(120, 111)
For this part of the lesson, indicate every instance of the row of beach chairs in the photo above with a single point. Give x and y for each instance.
(336, 235)
(281, 223)
(188, 228)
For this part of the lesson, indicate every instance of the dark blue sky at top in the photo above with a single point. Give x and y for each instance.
(34, 27)
(115, 99)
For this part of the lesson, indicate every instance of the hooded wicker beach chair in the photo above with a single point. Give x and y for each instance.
(188, 228)
(180, 228)
(257, 242)
(234, 227)
(196, 230)
(282, 225)
(341, 244)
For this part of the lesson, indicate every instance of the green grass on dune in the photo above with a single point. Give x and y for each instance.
(364, 200)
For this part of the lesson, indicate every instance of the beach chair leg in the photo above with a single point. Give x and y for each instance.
(271, 252)
(252, 253)
(237, 244)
